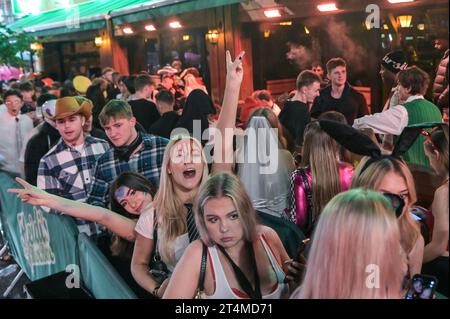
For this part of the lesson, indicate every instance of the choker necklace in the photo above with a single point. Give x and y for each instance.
(124, 152)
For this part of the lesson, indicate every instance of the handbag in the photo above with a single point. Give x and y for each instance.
(158, 269)
(200, 294)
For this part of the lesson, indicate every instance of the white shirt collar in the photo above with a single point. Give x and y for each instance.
(414, 97)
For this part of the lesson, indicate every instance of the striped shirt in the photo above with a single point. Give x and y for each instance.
(147, 161)
(67, 172)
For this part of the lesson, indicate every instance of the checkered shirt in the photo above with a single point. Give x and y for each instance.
(147, 161)
(66, 172)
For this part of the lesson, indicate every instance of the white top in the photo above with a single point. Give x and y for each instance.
(222, 287)
(3, 109)
(144, 227)
(392, 121)
(8, 143)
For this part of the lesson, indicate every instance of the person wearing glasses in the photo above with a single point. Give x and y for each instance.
(357, 237)
(435, 256)
(17, 128)
(392, 177)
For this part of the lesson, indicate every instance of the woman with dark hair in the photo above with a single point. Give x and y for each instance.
(131, 191)
(95, 93)
(131, 194)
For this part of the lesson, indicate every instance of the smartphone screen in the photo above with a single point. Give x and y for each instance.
(422, 287)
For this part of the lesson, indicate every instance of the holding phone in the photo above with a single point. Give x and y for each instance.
(301, 249)
(422, 287)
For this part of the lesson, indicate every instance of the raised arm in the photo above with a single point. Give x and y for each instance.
(223, 153)
(118, 224)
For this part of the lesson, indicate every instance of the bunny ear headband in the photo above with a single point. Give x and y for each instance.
(358, 143)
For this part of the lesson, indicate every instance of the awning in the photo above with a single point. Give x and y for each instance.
(92, 15)
(145, 10)
(86, 16)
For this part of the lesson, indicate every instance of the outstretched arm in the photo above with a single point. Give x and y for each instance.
(223, 153)
(118, 224)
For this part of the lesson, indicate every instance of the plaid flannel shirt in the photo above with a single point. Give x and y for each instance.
(66, 172)
(147, 161)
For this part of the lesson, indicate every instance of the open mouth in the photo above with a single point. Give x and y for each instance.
(189, 173)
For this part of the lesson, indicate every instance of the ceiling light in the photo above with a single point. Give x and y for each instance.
(326, 7)
(274, 13)
(128, 30)
(150, 27)
(175, 25)
(399, 1)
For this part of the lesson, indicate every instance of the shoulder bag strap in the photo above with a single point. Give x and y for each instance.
(308, 199)
(201, 279)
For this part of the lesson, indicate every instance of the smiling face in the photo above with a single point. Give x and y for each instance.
(395, 184)
(311, 91)
(133, 201)
(186, 165)
(338, 76)
(71, 129)
(223, 222)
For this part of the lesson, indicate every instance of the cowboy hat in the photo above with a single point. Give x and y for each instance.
(71, 105)
(81, 83)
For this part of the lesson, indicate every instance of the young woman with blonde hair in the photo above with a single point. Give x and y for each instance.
(321, 176)
(355, 250)
(392, 176)
(244, 260)
(183, 170)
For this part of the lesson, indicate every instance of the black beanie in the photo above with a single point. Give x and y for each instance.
(394, 61)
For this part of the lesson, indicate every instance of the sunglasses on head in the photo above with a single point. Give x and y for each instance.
(397, 202)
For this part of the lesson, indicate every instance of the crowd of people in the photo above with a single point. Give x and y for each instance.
(181, 207)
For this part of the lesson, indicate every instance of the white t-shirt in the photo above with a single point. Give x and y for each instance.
(144, 227)
(8, 143)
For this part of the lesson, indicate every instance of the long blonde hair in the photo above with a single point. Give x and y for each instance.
(355, 250)
(225, 185)
(371, 178)
(170, 208)
(320, 153)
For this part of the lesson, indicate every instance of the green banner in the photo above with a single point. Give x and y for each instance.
(97, 274)
(41, 243)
